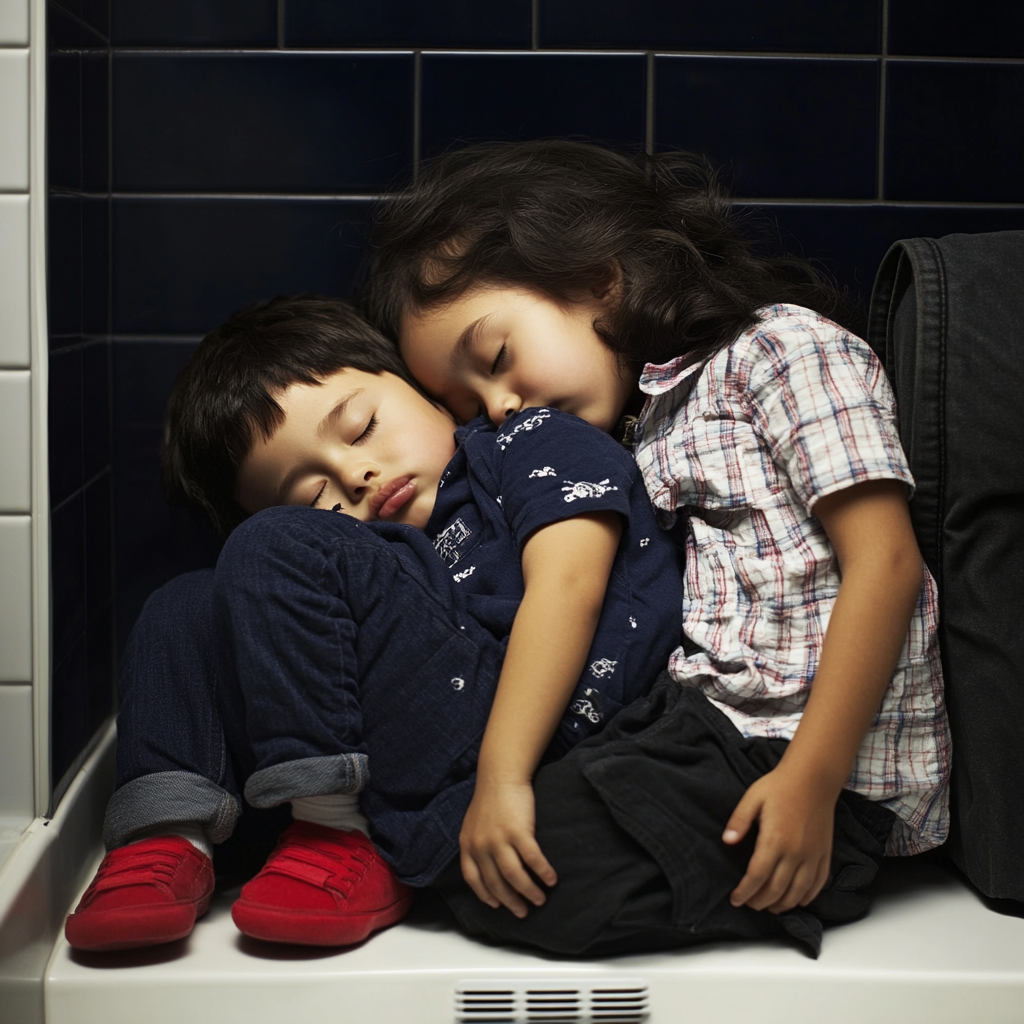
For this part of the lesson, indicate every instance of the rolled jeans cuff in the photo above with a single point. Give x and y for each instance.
(170, 798)
(309, 776)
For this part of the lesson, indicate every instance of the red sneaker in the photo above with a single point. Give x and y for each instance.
(145, 893)
(321, 887)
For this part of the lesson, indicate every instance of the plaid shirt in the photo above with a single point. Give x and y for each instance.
(742, 447)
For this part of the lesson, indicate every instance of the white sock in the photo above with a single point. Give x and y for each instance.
(184, 829)
(337, 810)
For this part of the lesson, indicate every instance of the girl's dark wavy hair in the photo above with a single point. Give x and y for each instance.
(560, 217)
(226, 397)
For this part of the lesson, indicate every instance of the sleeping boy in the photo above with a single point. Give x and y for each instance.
(404, 622)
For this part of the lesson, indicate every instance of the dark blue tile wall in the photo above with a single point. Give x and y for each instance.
(412, 23)
(782, 126)
(952, 28)
(517, 96)
(81, 526)
(789, 26)
(955, 131)
(194, 23)
(281, 122)
(250, 137)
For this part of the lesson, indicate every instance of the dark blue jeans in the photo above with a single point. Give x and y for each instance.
(317, 647)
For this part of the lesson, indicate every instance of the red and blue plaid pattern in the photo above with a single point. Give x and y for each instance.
(740, 448)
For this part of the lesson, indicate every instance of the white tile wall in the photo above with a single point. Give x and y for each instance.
(14, 336)
(13, 22)
(16, 797)
(13, 120)
(15, 451)
(15, 607)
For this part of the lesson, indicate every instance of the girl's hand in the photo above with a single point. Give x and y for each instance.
(498, 846)
(790, 864)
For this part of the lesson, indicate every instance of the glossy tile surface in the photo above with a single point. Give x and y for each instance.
(253, 122)
(95, 407)
(95, 265)
(955, 131)
(182, 265)
(14, 120)
(839, 26)
(783, 127)
(194, 23)
(528, 96)
(16, 599)
(413, 23)
(69, 721)
(64, 269)
(65, 423)
(952, 28)
(16, 790)
(14, 22)
(15, 451)
(67, 569)
(14, 253)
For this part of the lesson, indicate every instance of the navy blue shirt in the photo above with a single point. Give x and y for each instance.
(423, 723)
(542, 466)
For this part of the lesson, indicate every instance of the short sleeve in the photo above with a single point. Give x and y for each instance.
(824, 408)
(553, 466)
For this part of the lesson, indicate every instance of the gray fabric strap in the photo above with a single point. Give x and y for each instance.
(310, 776)
(170, 798)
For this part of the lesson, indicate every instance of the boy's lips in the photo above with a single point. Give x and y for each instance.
(390, 497)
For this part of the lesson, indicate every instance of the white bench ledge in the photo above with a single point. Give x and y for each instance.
(929, 951)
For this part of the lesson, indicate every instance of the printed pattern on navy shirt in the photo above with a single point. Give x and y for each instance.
(542, 466)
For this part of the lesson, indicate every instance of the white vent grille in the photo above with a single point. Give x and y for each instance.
(608, 1000)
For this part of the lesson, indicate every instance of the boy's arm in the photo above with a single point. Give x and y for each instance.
(566, 566)
(869, 528)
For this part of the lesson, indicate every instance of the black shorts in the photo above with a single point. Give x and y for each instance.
(632, 821)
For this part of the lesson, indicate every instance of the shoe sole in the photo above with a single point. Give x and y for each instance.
(133, 927)
(314, 928)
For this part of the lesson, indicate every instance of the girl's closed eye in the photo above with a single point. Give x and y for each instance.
(315, 503)
(500, 359)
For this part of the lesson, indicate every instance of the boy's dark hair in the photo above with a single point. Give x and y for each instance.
(559, 216)
(225, 397)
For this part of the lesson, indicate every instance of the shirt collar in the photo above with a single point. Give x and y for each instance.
(657, 378)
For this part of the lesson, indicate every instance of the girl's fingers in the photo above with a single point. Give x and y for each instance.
(759, 873)
(774, 888)
(499, 887)
(743, 816)
(533, 857)
(800, 884)
(471, 873)
(511, 867)
(820, 881)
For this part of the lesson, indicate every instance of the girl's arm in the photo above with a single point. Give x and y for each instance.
(869, 527)
(566, 566)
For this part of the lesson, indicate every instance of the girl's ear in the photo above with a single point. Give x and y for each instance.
(607, 287)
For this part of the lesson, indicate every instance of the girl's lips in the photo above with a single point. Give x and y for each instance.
(391, 497)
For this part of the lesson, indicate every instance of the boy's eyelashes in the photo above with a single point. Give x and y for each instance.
(368, 430)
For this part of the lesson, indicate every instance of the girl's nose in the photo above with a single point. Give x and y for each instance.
(501, 405)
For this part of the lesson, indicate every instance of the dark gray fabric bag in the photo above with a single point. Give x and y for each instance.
(947, 320)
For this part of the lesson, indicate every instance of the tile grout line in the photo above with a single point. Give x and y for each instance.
(649, 112)
(417, 110)
(280, 24)
(882, 96)
(535, 25)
